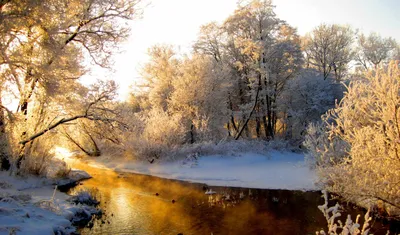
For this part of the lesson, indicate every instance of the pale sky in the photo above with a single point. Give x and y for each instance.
(177, 22)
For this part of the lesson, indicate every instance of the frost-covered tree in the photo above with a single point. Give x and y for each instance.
(396, 53)
(249, 33)
(44, 45)
(367, 120)
(210, 41)
(305, 98)
(263, 52)
(200, 93)
(159, 72)
(285, 60)
(328, 48)
(373, 50)
(194, 87)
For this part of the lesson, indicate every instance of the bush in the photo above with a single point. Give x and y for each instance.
(323, 150)
(228, 148)
(154, 134)
(368, 121)
(86, 196)
(36, 164)
(41, 162)
(163, 128)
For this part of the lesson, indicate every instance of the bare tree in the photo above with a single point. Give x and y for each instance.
(210, 41)
(374, 50)
(329, 49)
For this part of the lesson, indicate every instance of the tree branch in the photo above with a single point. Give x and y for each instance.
(61, 121)
(9, 113)
(248, 119)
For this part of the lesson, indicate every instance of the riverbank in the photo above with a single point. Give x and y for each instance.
(31, 205)
(272, 170)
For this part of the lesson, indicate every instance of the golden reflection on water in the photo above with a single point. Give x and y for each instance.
(131, 205)
(137, 204)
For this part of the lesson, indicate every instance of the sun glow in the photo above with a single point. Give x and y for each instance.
(61, 152)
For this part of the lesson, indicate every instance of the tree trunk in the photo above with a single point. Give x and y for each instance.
(94, 153)
(251, 113)
(21, 157)
(273, 111)
(270, 129)
(247, 130)
(264, 119)
(2, 120)
(4, 160)
(274, 119)
(258, 127)
(192, 134)
(235, 128)
(30, 84)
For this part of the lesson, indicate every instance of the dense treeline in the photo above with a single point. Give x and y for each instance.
(251, 77)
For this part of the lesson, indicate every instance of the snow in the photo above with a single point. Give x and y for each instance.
(29, 219)
(273, 170)
(30, 205)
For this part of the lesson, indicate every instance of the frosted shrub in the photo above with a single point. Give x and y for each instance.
(146, 149)
(162, 128)
(49, 205)
(368, 119)
(229, 148)
(159, 132)
(38, 162)
(322, 150)
(42, 163)
(86, 196)
(337, 227)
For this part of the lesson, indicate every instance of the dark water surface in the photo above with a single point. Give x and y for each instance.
(139, 204)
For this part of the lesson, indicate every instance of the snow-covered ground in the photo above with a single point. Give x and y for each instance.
(274, 170)
(32, 206)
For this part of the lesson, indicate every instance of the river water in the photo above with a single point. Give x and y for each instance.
(140, 204)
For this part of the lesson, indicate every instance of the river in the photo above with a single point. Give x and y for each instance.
(140, 204)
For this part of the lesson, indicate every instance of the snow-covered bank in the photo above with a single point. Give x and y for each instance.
(32, 206)
(273, 170)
